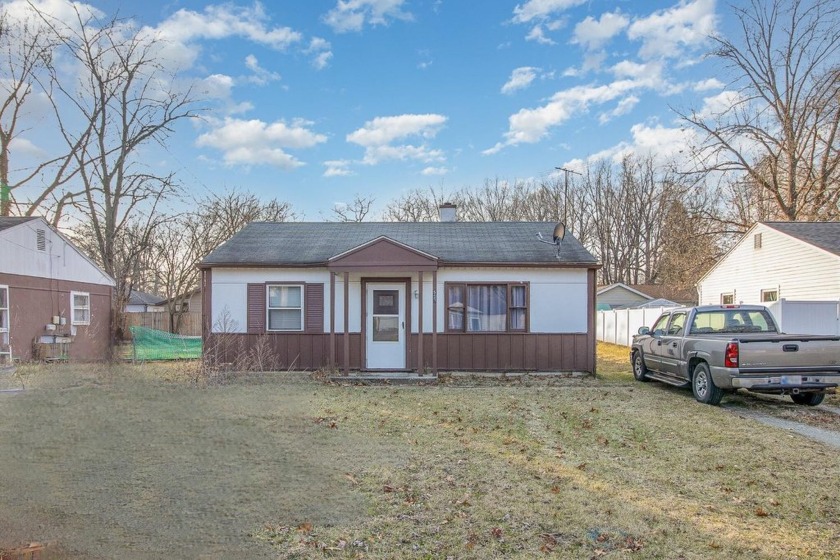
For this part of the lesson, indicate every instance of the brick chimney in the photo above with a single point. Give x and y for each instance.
(448, 212)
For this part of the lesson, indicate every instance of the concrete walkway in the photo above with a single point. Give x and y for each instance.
(827, 437)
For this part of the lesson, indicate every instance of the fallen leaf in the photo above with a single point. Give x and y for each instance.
(761, 512)
(305, 527)
(496, 532)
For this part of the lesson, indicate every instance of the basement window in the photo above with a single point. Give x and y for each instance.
(727, 299)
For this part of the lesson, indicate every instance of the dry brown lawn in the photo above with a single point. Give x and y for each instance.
(137, 462)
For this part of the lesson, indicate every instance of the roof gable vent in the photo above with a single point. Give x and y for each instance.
(41, 239)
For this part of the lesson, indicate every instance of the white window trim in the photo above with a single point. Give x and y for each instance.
(268, 307)
(73, 320)
(5, 329)
(768, 290)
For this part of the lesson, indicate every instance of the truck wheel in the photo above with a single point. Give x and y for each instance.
(703, 386)
(640, 371)
(808, 399)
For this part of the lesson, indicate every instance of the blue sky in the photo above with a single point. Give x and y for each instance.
(315, 101)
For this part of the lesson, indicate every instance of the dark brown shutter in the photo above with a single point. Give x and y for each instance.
(256, 308)
(315, 308)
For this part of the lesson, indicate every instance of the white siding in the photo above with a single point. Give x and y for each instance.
(797, 269)
(59, 260)
(558, 297)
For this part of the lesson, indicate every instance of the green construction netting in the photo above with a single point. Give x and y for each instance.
(151, 344)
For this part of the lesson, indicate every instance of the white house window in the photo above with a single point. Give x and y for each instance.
(486, 307)
(770, 295)
(4, 311)
(285, 308)
(727, 299)
(80, 312)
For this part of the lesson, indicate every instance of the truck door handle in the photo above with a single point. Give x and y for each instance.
(674, 345)
(790, 348)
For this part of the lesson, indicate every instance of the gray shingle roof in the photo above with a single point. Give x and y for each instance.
(312, 243)
(12, 221)
(137, 297)
(825, 235)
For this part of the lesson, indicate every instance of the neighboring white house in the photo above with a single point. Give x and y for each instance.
(777, 260)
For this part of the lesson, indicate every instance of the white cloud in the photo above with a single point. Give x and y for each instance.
(520, 78)
(719, 104)
(706, 85)
(260, 75)
(337, 168)
(623, 107)
(254, 142)
(537, 34)
(178, 37)
(22, 146)
(665, 32)
(352, 15)
(532, 125)
(379, 137)
(541, 9)
(435, 171)
(321, 51)
(594, 33)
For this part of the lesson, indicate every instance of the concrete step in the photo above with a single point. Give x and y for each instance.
(386, 378)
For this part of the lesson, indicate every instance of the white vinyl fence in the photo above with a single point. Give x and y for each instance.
(807, 317)
(618, 326)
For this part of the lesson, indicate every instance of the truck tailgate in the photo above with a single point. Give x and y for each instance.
(789, 353)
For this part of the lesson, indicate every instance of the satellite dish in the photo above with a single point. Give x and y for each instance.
(559, 233)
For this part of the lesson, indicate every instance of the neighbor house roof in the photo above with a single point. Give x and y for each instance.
(137, 297)
(12, 221)
(825, 235)
(315, 243)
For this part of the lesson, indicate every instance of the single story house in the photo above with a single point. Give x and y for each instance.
(404, 296)
(55, 303)
(144, 302)
(624, 296)
(777, 260)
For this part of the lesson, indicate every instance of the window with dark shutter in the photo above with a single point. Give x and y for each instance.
(256, 308)
(314, 308)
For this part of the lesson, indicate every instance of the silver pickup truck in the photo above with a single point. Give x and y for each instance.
(720, 348)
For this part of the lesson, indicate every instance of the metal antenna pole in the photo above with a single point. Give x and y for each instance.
(566, 189)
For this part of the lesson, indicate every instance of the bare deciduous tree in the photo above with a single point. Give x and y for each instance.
(183, 241)
(355, 211)
(779, 133)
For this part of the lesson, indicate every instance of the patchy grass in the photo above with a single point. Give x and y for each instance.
(138, 462)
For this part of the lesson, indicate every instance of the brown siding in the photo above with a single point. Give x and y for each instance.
(509, 352)
(456, 352)
(299, 351)
(256, 308)
(33, 303)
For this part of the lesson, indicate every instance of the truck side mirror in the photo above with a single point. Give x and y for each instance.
(644, 330)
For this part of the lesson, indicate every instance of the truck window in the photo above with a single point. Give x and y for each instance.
(660, 324)
(677, 324)
(732, 321)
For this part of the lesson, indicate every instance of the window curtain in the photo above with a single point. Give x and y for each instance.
(487, 308)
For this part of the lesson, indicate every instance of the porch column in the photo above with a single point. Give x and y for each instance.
(346, 322)
(434, 322)
(332, 320)
(420, 324)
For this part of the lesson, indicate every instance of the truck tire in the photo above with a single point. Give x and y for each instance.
(640, 371)
(808, 399)
(703, 386)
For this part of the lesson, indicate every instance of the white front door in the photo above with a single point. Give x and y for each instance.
(385, 344)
